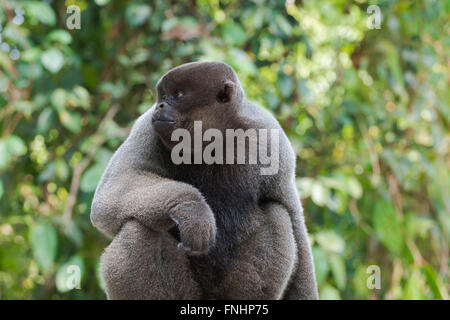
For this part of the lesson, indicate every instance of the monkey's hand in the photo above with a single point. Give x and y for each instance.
(197, 227)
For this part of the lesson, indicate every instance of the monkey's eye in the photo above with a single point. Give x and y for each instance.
(163, 96)
(179, 94)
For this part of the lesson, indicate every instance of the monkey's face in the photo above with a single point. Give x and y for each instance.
(208, 92)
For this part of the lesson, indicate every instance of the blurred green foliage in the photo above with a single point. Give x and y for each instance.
(367, 111)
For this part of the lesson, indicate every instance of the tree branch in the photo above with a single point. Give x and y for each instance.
(98, 140)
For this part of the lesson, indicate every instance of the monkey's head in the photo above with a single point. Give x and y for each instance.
(199, 91)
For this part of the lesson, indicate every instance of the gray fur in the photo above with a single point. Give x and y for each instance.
(201, 231)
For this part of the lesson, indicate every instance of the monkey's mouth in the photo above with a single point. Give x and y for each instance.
(162, 122)
(161, 119)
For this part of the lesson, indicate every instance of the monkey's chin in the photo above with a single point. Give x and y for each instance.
(163, 127)
(164, 133)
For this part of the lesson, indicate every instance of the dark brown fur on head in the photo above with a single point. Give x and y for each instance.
(187, 90)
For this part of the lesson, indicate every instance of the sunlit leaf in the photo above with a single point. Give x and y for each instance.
(59, 98)
(91, 177)
(388, 227)
(319, 193)
(83, 97)
(41, 11)
(45, 119)
(52, 60)
(286, 86)
(328, 292)
(102, 2)
(69, 275)
(337, 267)
(73, 232)
(354, 188)
(439, 290)
(16, 146)
(60, 35)
(44, 243)
(62, 170)
(4, 154)
(241, 61)
(331, 241)
(71, 120)
(414, 287)
(137, 13)
(418, 226)
(233, 33)
(98, 274)
(320, 264)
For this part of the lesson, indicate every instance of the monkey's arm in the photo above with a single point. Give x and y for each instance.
(132, 188)
(303, 283)
(282, 190)
(156, 203)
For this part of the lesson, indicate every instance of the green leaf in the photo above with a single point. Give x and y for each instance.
(69, 275)
(103, 155)
(414, 289)
(241, 61)
(328, 292)
(59, 98)
(102, 2)
(439, 290)
(91, 177)
(283, 25)
(41, 11)
(52, 60)
(44, 121)
(31, 54)
(320, 264)
(73, 232)
(354, 188)
(61, 36)
(337, 266)
(98, 274)
(2, 189)
(233, 33)
(304, 186)
(62, 170)
(319, 194)
(44, 242)
(417, 225)
(137, 14)
(71, 120)
(48, 173)
(15, 145)
(82, 96)
(5, 157)
(330, 241)
(387, 227)
(286, 86)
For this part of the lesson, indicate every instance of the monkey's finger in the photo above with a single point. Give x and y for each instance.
(189, 251)
(196, 253)
(182, 246)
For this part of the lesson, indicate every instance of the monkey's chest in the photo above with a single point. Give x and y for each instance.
(254, 255)
(232, 195)
(233, 224)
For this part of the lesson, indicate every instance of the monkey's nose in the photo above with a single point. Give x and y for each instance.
(161, 105)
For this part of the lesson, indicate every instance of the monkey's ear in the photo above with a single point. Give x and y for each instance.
(227, 92)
